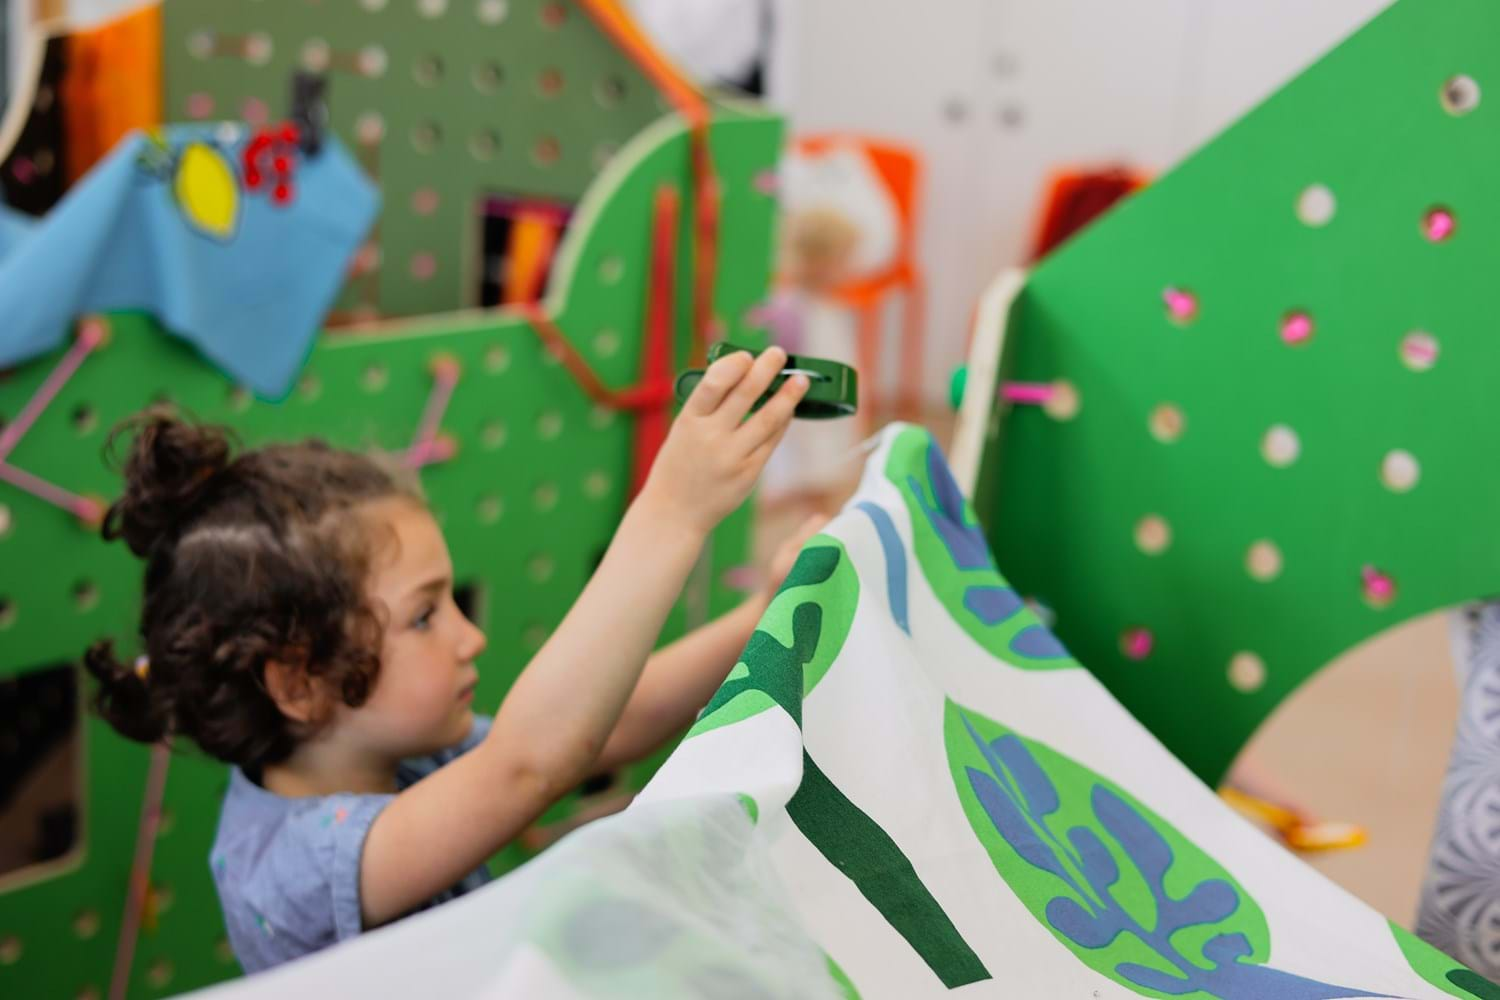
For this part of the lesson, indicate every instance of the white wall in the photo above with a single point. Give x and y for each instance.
(997, 92)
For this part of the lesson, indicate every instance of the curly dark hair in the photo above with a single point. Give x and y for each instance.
(250, 556)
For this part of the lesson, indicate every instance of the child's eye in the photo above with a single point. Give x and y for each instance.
(424, 619)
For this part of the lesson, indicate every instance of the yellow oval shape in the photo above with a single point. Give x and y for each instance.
(206, 190)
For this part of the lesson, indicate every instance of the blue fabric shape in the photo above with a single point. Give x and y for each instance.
(895, 561)
(250, 297)
(993, 605)
(1038, 643)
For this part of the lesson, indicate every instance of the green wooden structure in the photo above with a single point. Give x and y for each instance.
(541, 472)
(1272, 435)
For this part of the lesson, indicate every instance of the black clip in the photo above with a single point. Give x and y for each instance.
(310, 110)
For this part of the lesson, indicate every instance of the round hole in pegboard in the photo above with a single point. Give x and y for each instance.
(373, 61)
(602, 418)
(489, 508)
(491, 11)
(497, 359)
(1153, 535)
(10, 949)
(88, 993)
(6, 520)
(239, 399)
(1400, 471)
(423, 265)
(316, 55)
(540, 567)
(1064, 402)
(956, 110)
(427, 71)
(1181, 303)
(7, 612)
(166, 821)
(159, 973)
(369, 128)
(1419, 351)
(493, 435)
(1439, 223)
(255, 111)
(200, 44)
(1010, 116)
(1281, 446)
(553, 14)
(487, 77)
(375, 378)
(85, 595)
(533, 636)
(1167, 423)
(611, 269)
(259, 48)
(85, 418)
(1297, 328)
(42, 102)
(1378, 588)
(425, 137)
(603, 153)
(373, 6)
(1247, 673)
(224, 951)
(546, 151)
(610, 91)
(549, 425)
(1316, 205)
(606, 343)
(1263, 561)
(86, 923)
(432, 8)
(1137, 643)
(425, 201)
(199, 106)
(596, 485)
(1460, 95)
(544, 497)
(309, 388)
(484, 144)
(550, 82)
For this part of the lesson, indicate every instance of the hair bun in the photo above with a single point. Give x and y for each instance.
(169, 466)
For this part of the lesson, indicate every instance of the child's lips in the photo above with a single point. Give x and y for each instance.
(466, 694)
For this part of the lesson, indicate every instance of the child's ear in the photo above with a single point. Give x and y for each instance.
(297, 695)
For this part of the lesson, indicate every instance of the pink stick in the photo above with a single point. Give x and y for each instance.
(140, 869)
(1027, 393)
(78, 506)
(445, 378)
(90, 336)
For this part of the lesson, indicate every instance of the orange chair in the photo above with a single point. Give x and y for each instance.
(900, 169)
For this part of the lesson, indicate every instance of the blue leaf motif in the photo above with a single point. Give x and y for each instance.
(1079, 925)
(1012, 824)
(1041, 797)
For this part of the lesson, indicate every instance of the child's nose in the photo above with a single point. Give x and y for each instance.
(473, 642)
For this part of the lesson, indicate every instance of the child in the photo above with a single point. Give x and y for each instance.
(299, 624)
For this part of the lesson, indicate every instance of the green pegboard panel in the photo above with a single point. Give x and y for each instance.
(443, 103)
(528, 504)
(1284, 368)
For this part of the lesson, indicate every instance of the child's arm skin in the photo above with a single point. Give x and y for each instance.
(680, 679)
(558, 715)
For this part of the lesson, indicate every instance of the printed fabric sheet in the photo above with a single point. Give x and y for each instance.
(905, 788)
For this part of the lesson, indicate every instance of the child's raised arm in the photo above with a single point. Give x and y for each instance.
(561, 710)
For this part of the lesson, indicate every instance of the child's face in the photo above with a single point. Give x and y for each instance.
(422, 697)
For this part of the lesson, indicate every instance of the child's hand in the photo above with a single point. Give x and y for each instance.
(713, 455)
(786, 556)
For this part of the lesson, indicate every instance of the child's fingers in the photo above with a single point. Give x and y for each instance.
(776, 415)
(755, 382)
(762, 453)
(722, 376)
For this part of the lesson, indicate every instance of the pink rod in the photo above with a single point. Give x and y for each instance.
(79, 506)
(1027, 393)
(445, 378)
(89, 337)
(140, 869)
